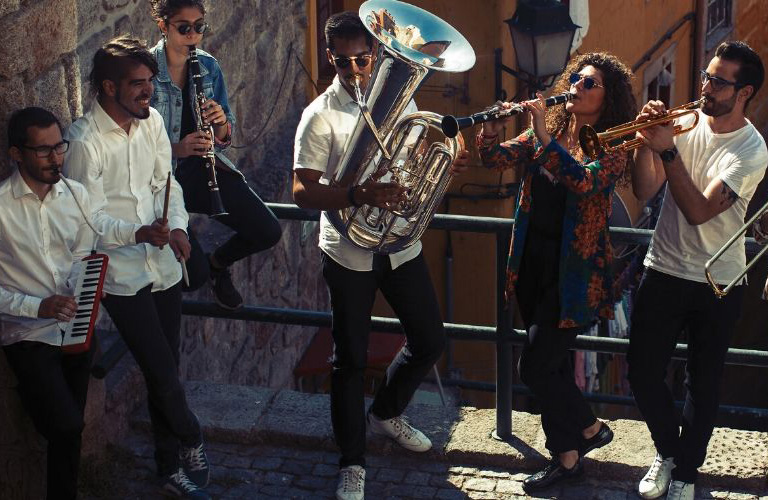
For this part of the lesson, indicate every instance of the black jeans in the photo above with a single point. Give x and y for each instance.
(256, 227)
(53, 388)
(546, 364)
(149, 323)
(664, 307)
(408, 289)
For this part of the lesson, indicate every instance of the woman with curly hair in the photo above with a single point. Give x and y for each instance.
(559, 261)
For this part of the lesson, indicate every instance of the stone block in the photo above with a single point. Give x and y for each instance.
(49, 91)
(227, 413)
(55, 34)
(85, 51)
(9, 6)
(299, 419)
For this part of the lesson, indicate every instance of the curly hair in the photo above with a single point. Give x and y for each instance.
(619, 105)
(165, 9)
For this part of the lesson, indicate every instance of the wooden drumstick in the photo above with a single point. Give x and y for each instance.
(166, 202)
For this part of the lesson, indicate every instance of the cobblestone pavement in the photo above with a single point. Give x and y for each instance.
(254, 472)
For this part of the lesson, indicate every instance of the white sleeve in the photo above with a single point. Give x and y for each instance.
(312, 145)
(80, 164)
(178, 218)
(18, 304)
(745, 172)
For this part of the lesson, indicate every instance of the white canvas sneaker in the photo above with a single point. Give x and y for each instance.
(656, 480)
(351, 483)
(679, 490)
(401, 431)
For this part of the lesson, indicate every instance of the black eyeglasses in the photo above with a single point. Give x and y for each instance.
(716, 82)
(184, 28)
(344, 61)
(589, 82)
(45, 151)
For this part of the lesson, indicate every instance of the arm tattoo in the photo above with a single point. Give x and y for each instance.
(728, 196)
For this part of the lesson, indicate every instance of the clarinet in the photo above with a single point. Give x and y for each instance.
(217, 207)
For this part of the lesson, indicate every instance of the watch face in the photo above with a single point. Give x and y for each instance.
(668, 155)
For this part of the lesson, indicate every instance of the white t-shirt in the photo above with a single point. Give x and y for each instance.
(319, 145)
(739, 159)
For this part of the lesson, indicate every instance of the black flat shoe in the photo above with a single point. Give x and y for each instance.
(602, 438)
(553, 473)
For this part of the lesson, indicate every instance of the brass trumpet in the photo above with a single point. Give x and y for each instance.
(722, 292)
(595, 143)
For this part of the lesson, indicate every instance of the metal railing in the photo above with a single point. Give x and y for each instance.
(502, 334)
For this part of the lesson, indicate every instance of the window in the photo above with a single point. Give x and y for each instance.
(719, 23)
(659, 78)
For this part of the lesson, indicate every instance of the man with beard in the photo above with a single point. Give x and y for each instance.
(119, 150)
(712, 172)
(353, 275)
(43, 232)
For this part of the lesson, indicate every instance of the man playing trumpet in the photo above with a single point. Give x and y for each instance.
(712, 172)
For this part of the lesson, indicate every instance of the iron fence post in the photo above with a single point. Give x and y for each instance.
(504, 356)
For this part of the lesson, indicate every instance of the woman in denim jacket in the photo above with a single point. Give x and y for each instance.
(256, 228)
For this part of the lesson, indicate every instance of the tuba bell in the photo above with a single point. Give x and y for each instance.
(385, 147)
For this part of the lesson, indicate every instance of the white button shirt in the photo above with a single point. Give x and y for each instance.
(39, 242)
(319, 145)
(125, 174)
(738, 159)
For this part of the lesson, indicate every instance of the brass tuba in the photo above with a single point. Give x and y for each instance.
(384, 147)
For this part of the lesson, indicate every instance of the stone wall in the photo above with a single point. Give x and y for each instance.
(47, 50)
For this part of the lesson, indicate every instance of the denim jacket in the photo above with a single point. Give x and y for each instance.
(167, 100)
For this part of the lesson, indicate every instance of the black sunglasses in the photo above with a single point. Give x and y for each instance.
(344, 61)
(717, 82)
(184, 28)
(45, 151)
(589, 82)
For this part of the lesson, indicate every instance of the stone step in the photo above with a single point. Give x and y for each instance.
(253, 415)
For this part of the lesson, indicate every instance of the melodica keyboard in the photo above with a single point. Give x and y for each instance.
(78, 332)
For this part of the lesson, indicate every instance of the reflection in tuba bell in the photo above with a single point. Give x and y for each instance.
(383, 147)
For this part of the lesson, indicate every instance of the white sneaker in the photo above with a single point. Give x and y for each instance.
(401, 431)
(656, 480)
(351, 483)
(679, 490)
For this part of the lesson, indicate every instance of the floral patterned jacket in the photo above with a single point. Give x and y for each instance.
(585, 253)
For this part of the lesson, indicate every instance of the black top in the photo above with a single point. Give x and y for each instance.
(188, 125)
(547, 206)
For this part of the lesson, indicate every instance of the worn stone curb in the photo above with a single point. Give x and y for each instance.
(252, 415)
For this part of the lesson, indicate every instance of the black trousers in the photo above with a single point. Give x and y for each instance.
(546, 364)
(53, 388)
(664, 307)
(408, 289)
(150, 323)
(256, 227)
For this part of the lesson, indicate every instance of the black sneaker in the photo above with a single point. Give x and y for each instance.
(195, 463)
(224, 292)
(178, 485)
(602, 438)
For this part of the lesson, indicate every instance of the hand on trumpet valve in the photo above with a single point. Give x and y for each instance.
(384, 195)
(196, 143)
(461, 163)
(658, 137)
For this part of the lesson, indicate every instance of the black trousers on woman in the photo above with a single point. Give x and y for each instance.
(408, 289)
(149, 323)
(256, 227)
(546, 365)
(53, 387)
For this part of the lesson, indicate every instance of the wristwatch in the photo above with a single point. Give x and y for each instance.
(668, 154)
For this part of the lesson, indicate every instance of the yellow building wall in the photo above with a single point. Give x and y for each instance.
(751, 26)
